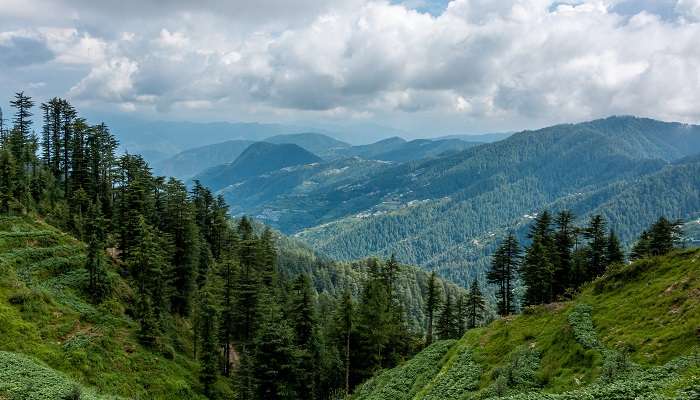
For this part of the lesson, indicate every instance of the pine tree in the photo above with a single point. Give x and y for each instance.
(597, 246)
(642, 248)
(432, 302)
(391, 273)
(267, 258)
(461, 314)
(538, 267)
(7, 169)
(663, 236)
(537, 272)
(229, 312)
(209, 355)
(147, 263)
(148, 321)
(564, 240)
(344, 326)
(504, 267)
(303, 322)
(613, 252)
(19, 135)
(95, 263)
(475, 305)
(178, 221)
(446, 328)
(274, 362)
(247, 282)
(374, 324)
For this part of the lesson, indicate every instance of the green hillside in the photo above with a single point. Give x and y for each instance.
(54, 340)
(633, 333)
(257, 159)
(187, 163)
(446, 213)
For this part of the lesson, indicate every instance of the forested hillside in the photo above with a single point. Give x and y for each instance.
(632, 333)
(118, 283)
(447, 212)
(321, 145)
(257, 159)
(188, 163)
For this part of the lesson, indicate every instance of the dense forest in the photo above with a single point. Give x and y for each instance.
(199, 284)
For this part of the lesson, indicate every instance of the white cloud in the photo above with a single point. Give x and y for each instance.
(536, 61)
(689, 8)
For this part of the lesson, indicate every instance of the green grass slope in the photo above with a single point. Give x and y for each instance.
(634, 333)
(54, 343)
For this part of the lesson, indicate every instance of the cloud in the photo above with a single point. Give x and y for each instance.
(689, 8)
(476, 61)
(18, 51)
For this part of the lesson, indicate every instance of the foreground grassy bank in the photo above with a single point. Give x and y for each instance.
(633, 333)
(55, 343)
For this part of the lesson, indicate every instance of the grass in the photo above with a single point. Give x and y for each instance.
(633, 333)
(51, 332)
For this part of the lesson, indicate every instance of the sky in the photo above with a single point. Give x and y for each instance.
(430, 67)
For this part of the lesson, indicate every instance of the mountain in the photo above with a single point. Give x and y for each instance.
(280, 197)
(157, 140)
(316, 143)
(424, 148)
(370, 151)
(259, 158)
(478, 137)
(447, 212)
(187, 163)
(630, 334)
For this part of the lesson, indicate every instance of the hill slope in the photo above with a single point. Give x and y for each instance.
(446, 212)
(633, 332)
(187, 163)
(53, 338)
(319, 144)
(55, 342)
(259, 158)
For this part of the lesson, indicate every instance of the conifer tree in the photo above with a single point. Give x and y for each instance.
(564, 240)
(613, 252)
(7, 169)
(391, 273)
(147, 263)
(209, 355)
(432, 302)
(475, 305)
(274, 362)
(446, 328)
(344, 326)
(267, 258)
(178, 221)
(641, 248)
(597, 246)
(538, 268)
(504, 267)
(461, 314)
(664, 235)
(303, 322)
(537, 272)
(148, 321)
(229, 311)
(374, 324)
(19, 135)
(95, 262)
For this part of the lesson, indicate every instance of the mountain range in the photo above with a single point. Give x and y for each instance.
(446, 212)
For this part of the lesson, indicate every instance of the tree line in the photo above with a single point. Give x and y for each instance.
(183, 256)
(561, 257)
